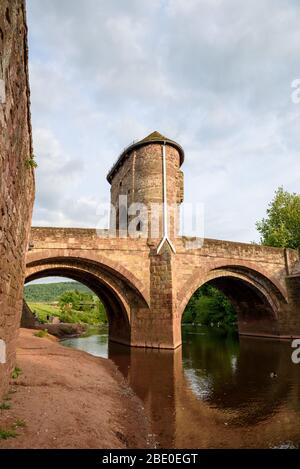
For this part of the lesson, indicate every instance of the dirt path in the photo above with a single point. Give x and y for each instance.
(66, 398)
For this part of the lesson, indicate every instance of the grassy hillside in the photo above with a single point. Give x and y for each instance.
(92, 316)
(50, 292)
(72, 302)
(42, 310)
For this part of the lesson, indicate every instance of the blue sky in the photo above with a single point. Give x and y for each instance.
(213, 75)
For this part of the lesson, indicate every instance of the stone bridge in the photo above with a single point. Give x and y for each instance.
(146, 277)
(145, 293)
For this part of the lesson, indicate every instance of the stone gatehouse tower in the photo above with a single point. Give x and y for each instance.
(148, 172)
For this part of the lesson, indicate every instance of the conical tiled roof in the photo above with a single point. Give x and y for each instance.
(154, 137)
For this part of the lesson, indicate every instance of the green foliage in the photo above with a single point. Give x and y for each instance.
(93, 314)
(5, 406)
(101, 312)
(43, 311)
(73, 303)
(16, 373)
(6, 434)
(19, 423)
(51, 292)
(30, 162)
(11, 433)
(76, 300)
(41, 333)
(76, 307)
(281, 228)
(208, 305)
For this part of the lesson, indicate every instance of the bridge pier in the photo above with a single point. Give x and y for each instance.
(291, 319)
(155, 327)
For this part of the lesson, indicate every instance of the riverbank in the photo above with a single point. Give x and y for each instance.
(63, 330)
(65, 398)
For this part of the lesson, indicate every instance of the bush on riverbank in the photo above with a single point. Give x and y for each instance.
(209, 306)
(79, 307)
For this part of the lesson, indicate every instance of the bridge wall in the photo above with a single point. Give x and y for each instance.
(155, 289)
(16, 177)
(128, 255)
(274, 262)
(262, 268)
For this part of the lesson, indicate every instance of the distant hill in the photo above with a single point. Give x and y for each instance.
(50, 292)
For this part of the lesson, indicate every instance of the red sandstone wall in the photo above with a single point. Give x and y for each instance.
(167, 281)
(131, 254)
(215, 253)
(17, 179)
(140, 178)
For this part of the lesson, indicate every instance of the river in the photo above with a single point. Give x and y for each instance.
(216, 391)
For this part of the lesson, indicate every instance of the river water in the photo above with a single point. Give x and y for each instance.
(216, 391)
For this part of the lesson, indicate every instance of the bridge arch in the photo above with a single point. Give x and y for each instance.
(117, 288)
(257, 298)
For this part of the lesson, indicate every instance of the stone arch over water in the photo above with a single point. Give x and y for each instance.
(118, 293)
(257, 299)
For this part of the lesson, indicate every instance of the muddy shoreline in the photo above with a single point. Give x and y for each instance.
(65, 398)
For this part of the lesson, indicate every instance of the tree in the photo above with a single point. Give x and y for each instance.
(81, 307)
(101, 312)
(281, 227)
(70, 300)
(209, 305)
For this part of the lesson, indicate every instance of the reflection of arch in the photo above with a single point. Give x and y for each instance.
(257, 298)
(116, 291)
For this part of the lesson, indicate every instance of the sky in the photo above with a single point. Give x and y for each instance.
(214, 75)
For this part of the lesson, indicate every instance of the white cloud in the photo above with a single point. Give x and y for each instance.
(213, 74)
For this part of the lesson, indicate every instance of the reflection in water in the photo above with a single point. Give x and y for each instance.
(239, 374)
(215, 391)
(94, 344)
